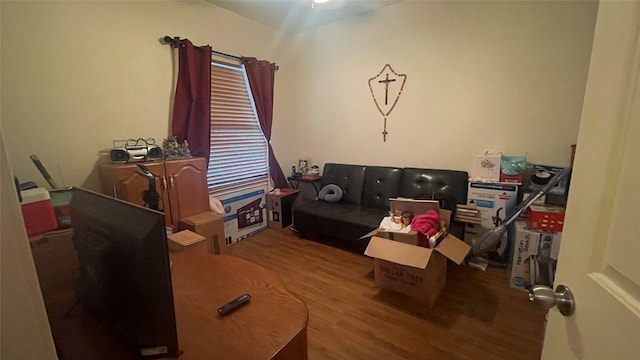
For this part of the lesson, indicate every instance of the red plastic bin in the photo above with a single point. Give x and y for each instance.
(37, 211)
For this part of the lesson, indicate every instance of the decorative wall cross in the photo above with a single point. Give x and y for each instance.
(390, 92)
(386, 87)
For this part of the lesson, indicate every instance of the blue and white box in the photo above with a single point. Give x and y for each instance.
(244, 214)
(495, 201)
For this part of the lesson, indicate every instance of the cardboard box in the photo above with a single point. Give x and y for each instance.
(280, 208)
(416, 207)
(546, 218)
(211, 226)
(55, 259)
(410, 237)
(37, 211)
(244, 214)
(187, 240)
(486, 167)
(494, 202)
(416, 271)
(514, 179)
(555, 239)
(525, 245)
(540, 176)
(544, 259)
(61, 199)
(535, 257)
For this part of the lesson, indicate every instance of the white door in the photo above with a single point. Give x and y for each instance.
(600, 252)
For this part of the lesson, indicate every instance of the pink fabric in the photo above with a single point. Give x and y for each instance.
(427, 225)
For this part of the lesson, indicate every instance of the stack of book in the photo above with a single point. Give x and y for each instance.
(468, 214)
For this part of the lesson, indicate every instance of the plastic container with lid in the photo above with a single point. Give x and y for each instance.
(37, 211)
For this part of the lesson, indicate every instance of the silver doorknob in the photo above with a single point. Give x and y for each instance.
(546, 298)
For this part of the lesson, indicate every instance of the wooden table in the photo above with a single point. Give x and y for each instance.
(295, 181)
(272, 326)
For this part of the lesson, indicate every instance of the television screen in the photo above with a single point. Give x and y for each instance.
(125, 275)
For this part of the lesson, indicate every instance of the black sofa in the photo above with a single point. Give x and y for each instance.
(365, 200)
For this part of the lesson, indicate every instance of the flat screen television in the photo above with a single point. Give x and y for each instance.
(125, 272)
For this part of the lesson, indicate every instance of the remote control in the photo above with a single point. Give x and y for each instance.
(234, 304)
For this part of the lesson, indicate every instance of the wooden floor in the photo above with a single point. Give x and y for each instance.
(477, 316)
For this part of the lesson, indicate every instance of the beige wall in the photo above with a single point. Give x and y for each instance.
(500, 76)
(77, 75)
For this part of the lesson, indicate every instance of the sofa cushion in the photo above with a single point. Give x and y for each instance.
(338, 220)
(350, 178)
(447, 185)
(380, 184)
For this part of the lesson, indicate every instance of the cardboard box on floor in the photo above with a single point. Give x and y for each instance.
(535, 256)
(56, 260)
(211, 226)
(526, 243)
(401, 266)
(187, 240)
(397, 206)
(494, 201)
(245, 213)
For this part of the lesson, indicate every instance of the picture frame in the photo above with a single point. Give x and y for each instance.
(303, 166)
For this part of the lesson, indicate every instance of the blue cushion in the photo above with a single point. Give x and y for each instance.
(330, 193)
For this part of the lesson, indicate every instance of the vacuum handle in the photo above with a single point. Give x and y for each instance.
(535, 196)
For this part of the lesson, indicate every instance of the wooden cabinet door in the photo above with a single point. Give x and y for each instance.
(188, 193)
(121, 181)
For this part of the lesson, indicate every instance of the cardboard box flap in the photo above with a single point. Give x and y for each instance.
(201, 218)
(371, 233)
(454, 249)
(413, 205)
(399, 253)
(186, 237)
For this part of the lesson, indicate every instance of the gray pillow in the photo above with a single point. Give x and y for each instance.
(330, 193)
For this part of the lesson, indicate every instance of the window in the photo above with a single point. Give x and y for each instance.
(238, 159)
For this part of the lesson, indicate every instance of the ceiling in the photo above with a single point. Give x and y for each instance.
(293, 16)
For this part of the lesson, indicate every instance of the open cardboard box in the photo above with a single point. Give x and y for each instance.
(187, 240)
(402, 266)
(211, 226)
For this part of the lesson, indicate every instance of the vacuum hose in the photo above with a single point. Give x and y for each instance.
(492, 237)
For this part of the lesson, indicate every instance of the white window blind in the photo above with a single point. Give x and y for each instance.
(239, 152)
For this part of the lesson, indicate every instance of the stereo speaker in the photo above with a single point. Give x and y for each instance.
(154, 152)
(119, 155)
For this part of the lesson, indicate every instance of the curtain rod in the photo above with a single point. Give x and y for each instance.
(169, 40)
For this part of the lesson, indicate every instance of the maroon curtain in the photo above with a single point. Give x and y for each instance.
(261, 75)
(192, 104)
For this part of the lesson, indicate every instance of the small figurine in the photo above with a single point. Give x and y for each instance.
(174, 151)
(184, 150)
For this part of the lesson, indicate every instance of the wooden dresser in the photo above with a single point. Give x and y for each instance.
(182, 185)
